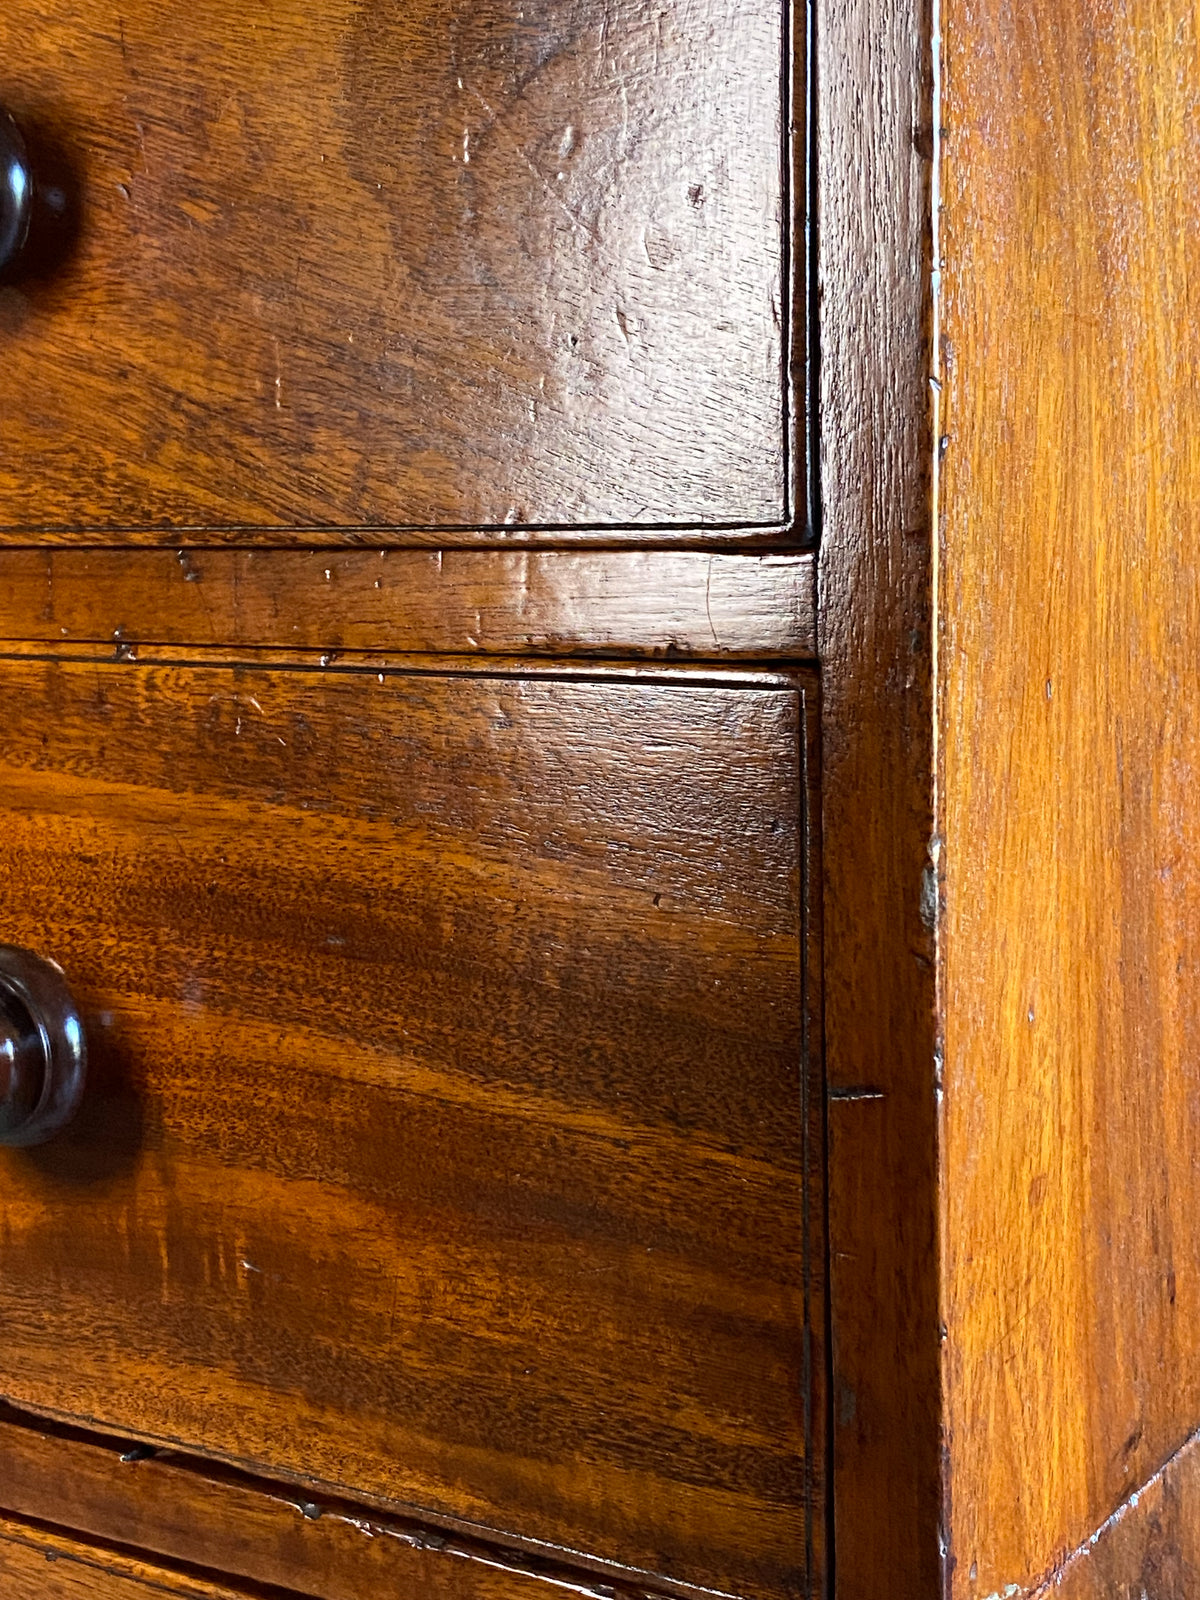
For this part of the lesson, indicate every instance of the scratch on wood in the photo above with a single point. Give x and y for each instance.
(1046, 1586)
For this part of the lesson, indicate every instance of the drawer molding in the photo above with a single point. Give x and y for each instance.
(673, 605)
(214, 1515)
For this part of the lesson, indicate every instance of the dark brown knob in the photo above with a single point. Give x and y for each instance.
(16, 192)
(43, 1052)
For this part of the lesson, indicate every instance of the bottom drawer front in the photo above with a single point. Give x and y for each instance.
(444, 1136)
(204, 1515)
(36, 1565)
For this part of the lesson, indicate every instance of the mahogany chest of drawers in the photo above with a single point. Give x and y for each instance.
(598, 731)
(409, 759)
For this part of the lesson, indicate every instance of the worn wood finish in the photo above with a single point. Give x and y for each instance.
(336, 663)
(447, 1137)
(37, 1564)
(202, 1516)
(1054, 892)
(673, 604)
(428, 263)
(1149, 1548)
(876, 649)
(1069, 720)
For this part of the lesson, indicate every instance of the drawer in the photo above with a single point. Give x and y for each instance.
(415, 264)
(446, 1139)
(39, 1565)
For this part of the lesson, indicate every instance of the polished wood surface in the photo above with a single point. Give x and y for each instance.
(661, 603)
(447, 1141)
(530, 668)
(198, 1514)
(38, 1564)
(1069, 725)
(1011, 893)
(447, 1207)
(876, 645)
(443, 264)
(1150, 1546)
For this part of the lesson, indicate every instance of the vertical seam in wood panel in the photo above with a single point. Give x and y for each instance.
(872, 80)
(787, 273)
(809, 288)
(814, 1166)
(800, 342)
(936, 867)
(823, 1584)
(807, 1253)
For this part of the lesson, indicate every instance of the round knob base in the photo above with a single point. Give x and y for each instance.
(16, 192)
(43, 1052)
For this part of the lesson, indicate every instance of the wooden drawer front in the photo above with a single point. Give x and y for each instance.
(36, 1565)
(422, 263)
(272, 1537)
(446, 1136)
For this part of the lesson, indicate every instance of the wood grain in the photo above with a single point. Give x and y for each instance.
(447, 1139)
(452, 264)
(672, 604)
(876, 651)
(38, 1564)
(1149, 1547)
(180, 1510)
(721, 675)
(1069, 719)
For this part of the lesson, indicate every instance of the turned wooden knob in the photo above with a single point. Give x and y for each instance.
(43, 1053)
(16, 192)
